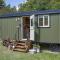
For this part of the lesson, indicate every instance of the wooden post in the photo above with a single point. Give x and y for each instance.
(18, 33)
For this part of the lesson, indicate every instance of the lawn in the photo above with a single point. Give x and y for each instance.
(6, 54)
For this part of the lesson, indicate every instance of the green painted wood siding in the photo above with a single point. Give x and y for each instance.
(46, 35)
(59, 28)
(8, 28)
(0, 28)
(50, 34)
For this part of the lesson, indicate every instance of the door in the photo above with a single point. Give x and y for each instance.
(25, 28)
(32, 27)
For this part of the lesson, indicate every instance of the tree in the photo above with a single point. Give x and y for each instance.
(1, 3)
(40, 5)
(6, 8)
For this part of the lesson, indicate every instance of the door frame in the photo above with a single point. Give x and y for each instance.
(22, 28)
(33, 16)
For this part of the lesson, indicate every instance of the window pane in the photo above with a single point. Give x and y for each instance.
(46, 20)
(31, 22)
(41, 21)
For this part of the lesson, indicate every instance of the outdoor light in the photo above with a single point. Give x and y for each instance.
(17, 19)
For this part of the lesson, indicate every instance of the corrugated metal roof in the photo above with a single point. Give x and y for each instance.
(48, 12)
(28, 13)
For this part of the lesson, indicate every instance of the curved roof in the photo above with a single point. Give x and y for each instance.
(28, 13)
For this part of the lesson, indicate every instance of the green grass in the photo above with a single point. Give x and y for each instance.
(6, 54)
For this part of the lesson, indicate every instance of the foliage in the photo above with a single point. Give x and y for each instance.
(1, 3)
(39, 5)
(31, 5)
(6, 8)
(6, 54)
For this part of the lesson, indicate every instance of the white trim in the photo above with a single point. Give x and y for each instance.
(48, 21)
(32, 27)
(32, 17)
(23, 39)
(21, 28)
(43, 21)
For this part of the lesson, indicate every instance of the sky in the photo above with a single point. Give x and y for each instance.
(14, 2)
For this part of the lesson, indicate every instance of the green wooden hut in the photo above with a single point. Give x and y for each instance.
(40, 25)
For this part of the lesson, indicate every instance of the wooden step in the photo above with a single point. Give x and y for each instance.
(21, 41)
(20, 50)
(22, 47)
(21, 44)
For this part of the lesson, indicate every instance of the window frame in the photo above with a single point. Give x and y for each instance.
(43, 21)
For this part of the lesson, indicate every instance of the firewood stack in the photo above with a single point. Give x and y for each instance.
(9, 43)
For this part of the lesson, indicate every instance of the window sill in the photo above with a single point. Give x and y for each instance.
(44, 26)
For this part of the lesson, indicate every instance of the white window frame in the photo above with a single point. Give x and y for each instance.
(43, 21)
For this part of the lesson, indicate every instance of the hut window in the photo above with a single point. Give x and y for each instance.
(43, 21)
